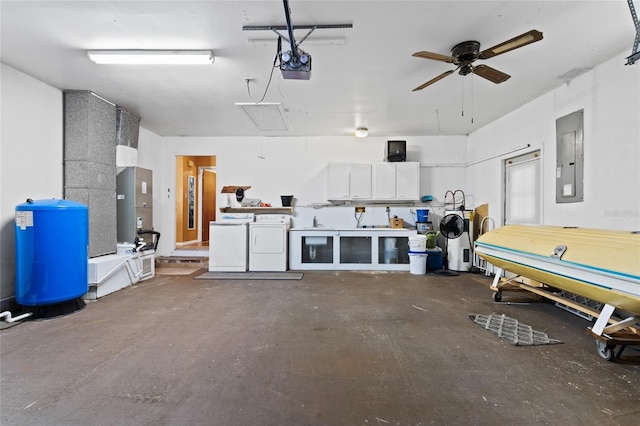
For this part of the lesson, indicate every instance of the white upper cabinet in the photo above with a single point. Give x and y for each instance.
(338, 181)
(396, 181)
(384, 181)
(408, 181)
(360, 183)
(348, 181)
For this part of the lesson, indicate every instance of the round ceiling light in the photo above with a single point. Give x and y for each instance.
(362, 132)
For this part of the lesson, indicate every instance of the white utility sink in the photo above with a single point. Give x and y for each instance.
(315, 241)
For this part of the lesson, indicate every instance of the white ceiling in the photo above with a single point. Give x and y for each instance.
(367, 82)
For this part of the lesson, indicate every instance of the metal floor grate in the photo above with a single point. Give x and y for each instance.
(512, 331)
(579, 300)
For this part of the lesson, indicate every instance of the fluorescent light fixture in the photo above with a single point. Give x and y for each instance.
(151, 57)
(362, 132)
(266, 116)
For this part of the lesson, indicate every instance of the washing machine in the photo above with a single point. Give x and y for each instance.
(268, 242)
(228, 242)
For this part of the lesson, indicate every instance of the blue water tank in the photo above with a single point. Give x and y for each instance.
(52, 239)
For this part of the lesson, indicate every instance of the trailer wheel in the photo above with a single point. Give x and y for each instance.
(604, 351)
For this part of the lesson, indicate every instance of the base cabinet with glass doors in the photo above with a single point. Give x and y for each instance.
(375, 249)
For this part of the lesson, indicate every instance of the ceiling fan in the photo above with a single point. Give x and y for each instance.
(464, 54)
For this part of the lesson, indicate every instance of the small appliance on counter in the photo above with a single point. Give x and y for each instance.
(232, 196)
(396, 222)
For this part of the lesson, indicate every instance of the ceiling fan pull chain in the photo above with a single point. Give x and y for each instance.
(462, 95)
(472, 88)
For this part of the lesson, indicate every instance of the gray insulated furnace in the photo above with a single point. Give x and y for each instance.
(134, 200)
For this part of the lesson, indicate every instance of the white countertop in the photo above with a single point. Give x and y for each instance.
(372, 229)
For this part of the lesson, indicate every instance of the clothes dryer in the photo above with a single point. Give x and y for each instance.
(268, 243)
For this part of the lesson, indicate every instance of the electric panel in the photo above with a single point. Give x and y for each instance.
(569, 158)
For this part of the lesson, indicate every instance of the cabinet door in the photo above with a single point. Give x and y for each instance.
(338, 181)
(408, 181)
(384, 181)
(360, 182)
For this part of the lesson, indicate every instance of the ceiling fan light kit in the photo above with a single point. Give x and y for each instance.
(516, 42)
(512, 45)
(152, 57)
(464, 54)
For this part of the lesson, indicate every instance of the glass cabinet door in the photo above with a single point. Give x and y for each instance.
(355, 249)
(393, 250)
(317, 249)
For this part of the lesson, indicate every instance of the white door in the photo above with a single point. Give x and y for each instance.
(523, 189)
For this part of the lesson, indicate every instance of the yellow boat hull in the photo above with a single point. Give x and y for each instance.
(600, 265)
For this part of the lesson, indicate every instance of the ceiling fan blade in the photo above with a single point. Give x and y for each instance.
(433, 80)
(516, 42)
(491, 74)
(434, 56)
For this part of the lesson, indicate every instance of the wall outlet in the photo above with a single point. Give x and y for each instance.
(360, 209)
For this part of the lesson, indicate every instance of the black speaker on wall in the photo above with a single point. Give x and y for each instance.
(396, 151)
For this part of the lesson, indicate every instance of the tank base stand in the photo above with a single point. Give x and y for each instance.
(58, 309)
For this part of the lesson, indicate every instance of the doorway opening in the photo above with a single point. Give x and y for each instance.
(195, 200)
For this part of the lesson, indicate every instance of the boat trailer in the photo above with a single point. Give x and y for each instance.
(609, 331)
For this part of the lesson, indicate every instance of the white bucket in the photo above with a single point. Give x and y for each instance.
(418, 242)
(418, 263)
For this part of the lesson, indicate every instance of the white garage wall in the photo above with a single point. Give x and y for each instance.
(290, 166)
(30, 156)
(610, 97)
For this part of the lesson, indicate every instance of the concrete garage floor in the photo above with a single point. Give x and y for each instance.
(335, 348)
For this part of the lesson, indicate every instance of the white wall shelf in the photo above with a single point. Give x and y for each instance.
(258, 210)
